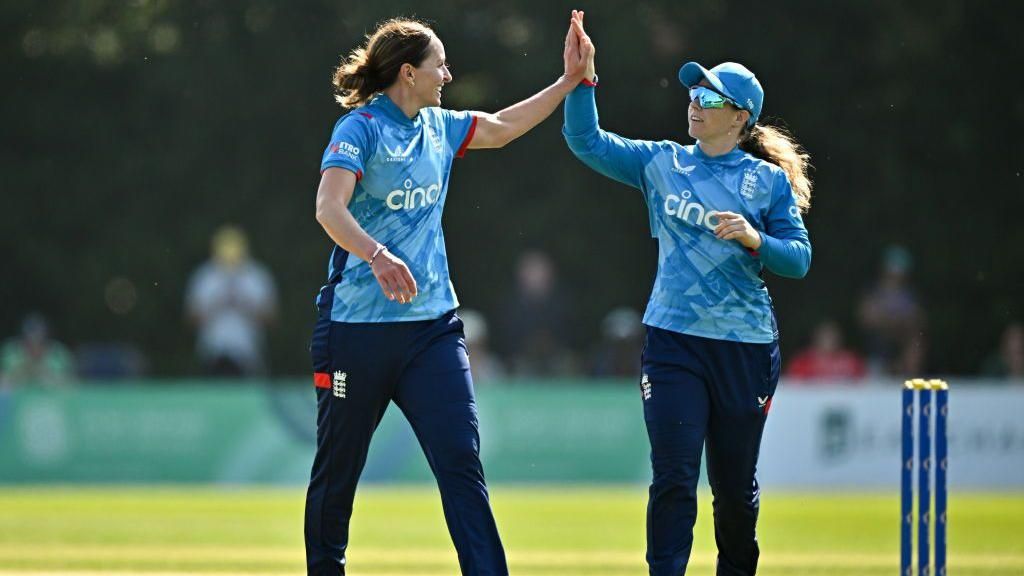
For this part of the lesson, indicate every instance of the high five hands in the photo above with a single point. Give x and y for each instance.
(579, 51)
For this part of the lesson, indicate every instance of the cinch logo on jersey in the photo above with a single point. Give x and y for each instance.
(412, 197)
(678, 205)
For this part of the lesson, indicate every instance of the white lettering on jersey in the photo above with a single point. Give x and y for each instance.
(680, 206)
(346, 149)
(413, 197)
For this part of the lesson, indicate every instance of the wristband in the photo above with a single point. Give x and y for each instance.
(380, 248)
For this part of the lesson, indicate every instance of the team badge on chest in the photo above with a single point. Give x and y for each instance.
(748, 187)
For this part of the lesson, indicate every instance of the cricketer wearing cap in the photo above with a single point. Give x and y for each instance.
(721, 215)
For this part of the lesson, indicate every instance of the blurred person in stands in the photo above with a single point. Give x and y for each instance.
(535, 321)
(892, 319)
(231, 299)
(1008, 360)
(723, 210)
(622, 339)
(826, 358)
(387, 330)
(485, 366)
(34, 358)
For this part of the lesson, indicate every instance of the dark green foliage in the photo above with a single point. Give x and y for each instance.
(131, 130)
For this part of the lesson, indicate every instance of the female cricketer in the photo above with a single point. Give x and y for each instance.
(387, 329)
(722, 210)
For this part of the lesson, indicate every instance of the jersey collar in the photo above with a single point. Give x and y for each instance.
(730, 157)
(387, 107)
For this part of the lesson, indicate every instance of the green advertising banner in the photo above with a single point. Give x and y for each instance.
(265, 433)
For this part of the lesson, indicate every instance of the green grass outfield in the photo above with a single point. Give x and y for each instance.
(549, 531)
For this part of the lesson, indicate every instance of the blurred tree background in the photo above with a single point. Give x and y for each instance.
(133, 129)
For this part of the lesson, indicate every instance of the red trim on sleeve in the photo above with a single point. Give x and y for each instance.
(768, 406)
(367, 114)
(321, 380)
(359, 173)
(753, 253)
(469, 137)
(588, 82)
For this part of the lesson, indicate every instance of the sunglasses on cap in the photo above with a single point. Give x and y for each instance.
(708, 98)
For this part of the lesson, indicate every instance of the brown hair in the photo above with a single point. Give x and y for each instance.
(775, 144)
(374, 66)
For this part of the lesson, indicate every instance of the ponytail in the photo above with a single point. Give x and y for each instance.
(374, 66)
(776, 145)
(353, 81)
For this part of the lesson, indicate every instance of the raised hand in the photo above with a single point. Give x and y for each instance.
(575, 63)
(587, 49)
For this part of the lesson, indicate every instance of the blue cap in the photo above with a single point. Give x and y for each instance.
(732, 80)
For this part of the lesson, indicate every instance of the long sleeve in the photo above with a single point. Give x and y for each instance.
(785, 248)
(609, 154)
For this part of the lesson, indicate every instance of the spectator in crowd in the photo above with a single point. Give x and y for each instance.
(892, 319)
(622, 339)
(34, 358)
(826, 358)
(231, 299)
(536, 321)
(483, 365)
(1008, 360)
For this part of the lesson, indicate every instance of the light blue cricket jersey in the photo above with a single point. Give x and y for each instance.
(402, 167)
(705, 286)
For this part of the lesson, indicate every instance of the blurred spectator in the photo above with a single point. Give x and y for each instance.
(826, 358)
(231, 299)
(1008, 360)
(483, 363)
(622, 337)
(536, 321)
(892, 319)
(34, 358)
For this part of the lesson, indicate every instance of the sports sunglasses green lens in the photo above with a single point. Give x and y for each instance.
(708, 98)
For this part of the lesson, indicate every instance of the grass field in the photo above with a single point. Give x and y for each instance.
(565, 530)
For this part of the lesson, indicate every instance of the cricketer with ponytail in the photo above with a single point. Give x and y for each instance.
(723, 210)
(387, 330)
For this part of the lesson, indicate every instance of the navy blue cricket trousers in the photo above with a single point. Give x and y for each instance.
(424, 368)
(712, 394)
